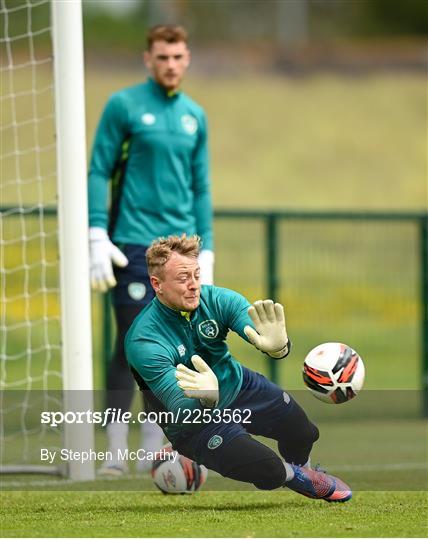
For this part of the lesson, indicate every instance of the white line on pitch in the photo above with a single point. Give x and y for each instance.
(409, 466)
(66, 481)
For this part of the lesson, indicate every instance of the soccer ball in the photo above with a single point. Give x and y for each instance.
(333, 372)
(174, 473)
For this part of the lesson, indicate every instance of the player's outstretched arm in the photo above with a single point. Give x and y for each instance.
(270, 334)
(103, 254)
(201, 384)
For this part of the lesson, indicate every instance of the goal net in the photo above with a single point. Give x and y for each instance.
(34, 289)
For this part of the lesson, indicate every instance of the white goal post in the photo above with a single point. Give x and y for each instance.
(45, 329)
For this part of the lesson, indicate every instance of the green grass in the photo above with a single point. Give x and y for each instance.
(375, 443)
(321, 141)
(211, 514)
(383, 460)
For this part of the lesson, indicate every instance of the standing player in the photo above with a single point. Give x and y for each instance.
(152, 143)
(178, 354)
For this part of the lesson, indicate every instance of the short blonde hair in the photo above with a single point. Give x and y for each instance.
(160, 251)
(171, 33)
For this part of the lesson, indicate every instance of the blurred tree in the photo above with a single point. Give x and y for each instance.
(122, 24)
(397, 17)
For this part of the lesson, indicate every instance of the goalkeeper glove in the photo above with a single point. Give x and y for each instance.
(269, 321)
(102, 253)
(206, 264)
(201, 384)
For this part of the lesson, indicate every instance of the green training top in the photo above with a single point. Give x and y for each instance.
(153, 146)
(161, 338)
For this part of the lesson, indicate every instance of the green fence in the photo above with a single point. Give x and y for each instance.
(357, 277)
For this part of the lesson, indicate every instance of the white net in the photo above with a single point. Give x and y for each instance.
(30, 307)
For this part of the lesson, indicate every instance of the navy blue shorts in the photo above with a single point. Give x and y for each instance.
(271, 408)
(133, 283)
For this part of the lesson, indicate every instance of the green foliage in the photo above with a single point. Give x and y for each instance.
(105, 32)
(250, 21)
(367, 18)
(395, 17)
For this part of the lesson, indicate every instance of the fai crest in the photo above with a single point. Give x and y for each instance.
(137, 291)
(189, 123)
(215, 442)
(209, 329)
(148, 119)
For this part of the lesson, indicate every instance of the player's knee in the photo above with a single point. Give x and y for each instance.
(296, 448)
(306, 434)
(312, 433)
(315, 432)
(273, 474)
(248, 460)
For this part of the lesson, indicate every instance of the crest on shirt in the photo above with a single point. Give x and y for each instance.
(148, 119)
(189, 123)
(181, 350)
(215, 442)
(137, 291)
(209, 328)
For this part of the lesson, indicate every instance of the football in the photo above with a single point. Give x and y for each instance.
(174, 473)
(333, 372)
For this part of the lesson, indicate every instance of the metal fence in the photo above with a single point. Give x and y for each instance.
(354, 276)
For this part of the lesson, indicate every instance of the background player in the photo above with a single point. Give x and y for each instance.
(178, 354)
(152, 143)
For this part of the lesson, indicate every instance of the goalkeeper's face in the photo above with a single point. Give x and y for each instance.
(168, 63)
(179, 287)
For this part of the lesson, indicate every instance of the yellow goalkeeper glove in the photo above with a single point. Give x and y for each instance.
(201, 384)
(270, 335)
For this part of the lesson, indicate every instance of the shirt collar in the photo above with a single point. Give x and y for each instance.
(161, 91)
(180, 315)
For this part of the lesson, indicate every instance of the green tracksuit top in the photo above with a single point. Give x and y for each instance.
(161, 338)
(153, 146)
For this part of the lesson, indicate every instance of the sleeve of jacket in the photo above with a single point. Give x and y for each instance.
(234, 310)
(157, 368)
(107, 148)
(201, 187)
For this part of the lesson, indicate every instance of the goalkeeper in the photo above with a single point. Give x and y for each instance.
(178, 355)
(151, 143)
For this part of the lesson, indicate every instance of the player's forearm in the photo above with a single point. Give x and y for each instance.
(204, 219)
(179, 404)
(97, 201)
(164, 387)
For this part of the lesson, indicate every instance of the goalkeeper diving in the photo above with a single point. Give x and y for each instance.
(177, 352)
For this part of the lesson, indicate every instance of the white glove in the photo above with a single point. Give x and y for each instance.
(201, 384)
(271, 336)
(206, 264)
(102, 253)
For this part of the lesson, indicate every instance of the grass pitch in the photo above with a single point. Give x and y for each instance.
(379, 459)
(211, 514)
